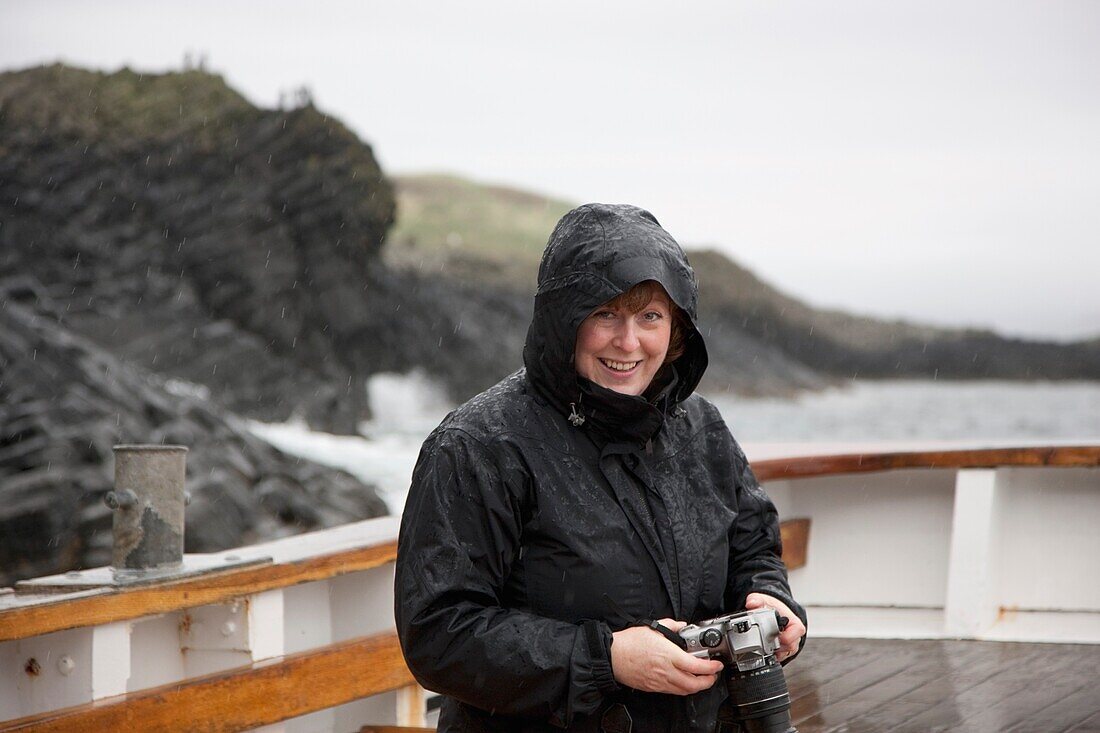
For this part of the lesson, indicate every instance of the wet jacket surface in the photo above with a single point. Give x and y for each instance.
(528, 539)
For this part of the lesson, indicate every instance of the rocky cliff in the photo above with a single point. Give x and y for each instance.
(193, 234)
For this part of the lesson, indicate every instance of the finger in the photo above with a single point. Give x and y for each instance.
(754, 601)
(681, 683)
(790, 637)
(689, 664)
(672, 624)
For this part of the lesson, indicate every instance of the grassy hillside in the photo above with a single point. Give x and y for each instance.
(450, 223)
(475, 231)
(493, 236)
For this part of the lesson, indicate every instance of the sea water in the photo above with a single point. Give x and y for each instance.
(406, 408)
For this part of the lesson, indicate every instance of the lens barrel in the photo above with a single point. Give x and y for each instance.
(758, 700)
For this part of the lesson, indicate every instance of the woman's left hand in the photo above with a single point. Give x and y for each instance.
(790, 636)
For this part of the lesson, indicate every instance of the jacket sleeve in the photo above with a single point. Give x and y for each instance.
(755, 561)
(460, 534)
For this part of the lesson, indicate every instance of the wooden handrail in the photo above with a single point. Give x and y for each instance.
(243, 698)
(118, 604)
(810, 466)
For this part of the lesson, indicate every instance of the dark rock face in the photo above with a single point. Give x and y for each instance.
(64, 402)
(226, 245)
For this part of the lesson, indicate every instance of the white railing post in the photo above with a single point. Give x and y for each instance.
(267, 635)
(971, 607)
(110, 659)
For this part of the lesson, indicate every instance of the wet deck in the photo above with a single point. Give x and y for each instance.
(850, 685)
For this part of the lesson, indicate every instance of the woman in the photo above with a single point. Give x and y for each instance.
(589, 491)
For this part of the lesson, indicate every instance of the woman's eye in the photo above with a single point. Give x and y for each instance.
(653, 315)
(603, 315)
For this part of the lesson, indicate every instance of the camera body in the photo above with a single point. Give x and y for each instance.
(744, 641)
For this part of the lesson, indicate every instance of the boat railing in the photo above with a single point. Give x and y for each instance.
(996, 543)
(297, 634)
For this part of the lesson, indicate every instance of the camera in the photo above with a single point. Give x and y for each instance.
(746, 642)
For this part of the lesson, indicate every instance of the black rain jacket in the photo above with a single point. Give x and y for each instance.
(527, 539)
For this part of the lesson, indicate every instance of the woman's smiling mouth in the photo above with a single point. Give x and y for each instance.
(619, 366)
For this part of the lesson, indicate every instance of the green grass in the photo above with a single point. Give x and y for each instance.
(449, 223)
(122, 106)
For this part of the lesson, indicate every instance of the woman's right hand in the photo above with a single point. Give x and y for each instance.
(643, 659)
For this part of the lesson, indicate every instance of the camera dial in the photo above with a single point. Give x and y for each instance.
(711, 638)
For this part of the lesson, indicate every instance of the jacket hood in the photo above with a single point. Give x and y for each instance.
(595, 253)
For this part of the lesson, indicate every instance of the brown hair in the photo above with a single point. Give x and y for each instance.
(638, 297)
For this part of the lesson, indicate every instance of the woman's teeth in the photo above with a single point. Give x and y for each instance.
(620, 366)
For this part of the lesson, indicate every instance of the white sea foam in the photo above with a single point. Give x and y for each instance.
(407, 407)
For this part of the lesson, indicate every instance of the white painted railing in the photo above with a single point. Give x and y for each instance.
(1008, 553)
(302, 593)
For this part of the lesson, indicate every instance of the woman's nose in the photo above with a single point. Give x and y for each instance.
(626, 338)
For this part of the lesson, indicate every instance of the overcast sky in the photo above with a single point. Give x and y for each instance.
(933, 160)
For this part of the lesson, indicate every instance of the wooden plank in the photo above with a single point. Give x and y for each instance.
(881, 665)
(921, 664)
(1092, 725)
(1065, 713)
(795, 534)
(866, 685)
(67, 612)
(953, 668)
(809, 466)
(244, 698)
(1017, 672)
(1051, 680)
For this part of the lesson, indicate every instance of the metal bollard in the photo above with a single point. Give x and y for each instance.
(148, 501)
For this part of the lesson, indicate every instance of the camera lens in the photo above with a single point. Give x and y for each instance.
(758, 700)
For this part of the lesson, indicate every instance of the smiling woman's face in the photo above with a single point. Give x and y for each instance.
(620, 348)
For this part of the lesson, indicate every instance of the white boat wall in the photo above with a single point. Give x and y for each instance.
(298, 634)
